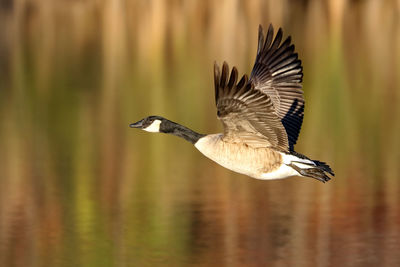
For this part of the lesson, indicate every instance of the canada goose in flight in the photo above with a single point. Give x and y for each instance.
(262, 117)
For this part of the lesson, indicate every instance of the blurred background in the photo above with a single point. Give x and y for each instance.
(78, 187)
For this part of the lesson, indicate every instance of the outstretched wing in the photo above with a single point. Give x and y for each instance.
(277, 73)
(247, 114)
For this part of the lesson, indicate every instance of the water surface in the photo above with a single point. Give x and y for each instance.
(78, 187)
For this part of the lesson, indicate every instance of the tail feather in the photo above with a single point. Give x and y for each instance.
(318, 171)
(325, 167)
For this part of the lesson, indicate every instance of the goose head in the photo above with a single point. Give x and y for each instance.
(154, 124)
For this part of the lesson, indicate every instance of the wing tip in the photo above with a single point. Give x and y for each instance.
(233, 78)
(260, 39)
(224, 74)
(260, 28)
(225, 65)
(216, 80)
(270, 28)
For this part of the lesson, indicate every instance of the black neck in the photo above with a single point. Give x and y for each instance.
(176, 129)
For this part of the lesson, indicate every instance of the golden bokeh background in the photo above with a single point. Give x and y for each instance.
(78, 187)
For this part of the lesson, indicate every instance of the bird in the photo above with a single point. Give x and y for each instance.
(261, 116)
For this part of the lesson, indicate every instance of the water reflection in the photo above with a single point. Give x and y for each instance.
(78, 187)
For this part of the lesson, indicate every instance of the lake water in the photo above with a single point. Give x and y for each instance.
(78, 187)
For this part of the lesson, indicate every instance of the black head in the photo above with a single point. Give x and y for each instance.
(158, 124)
(150, 124)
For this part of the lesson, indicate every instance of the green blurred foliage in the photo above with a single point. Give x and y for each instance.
(79, 188)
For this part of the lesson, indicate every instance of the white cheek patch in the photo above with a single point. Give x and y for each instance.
(154, 127)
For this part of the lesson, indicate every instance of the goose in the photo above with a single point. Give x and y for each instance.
(261, 116)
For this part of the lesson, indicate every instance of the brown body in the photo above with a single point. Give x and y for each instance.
(240, 157)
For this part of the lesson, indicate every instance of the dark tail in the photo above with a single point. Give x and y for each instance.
(318, 172)
(324, 167)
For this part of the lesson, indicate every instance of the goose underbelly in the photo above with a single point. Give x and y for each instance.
(260, 163)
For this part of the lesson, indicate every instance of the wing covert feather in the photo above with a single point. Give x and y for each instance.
(247, 114)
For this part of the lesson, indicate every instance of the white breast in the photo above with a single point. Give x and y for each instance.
(213, 148)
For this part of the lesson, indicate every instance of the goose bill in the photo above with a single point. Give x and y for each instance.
(138, 124)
